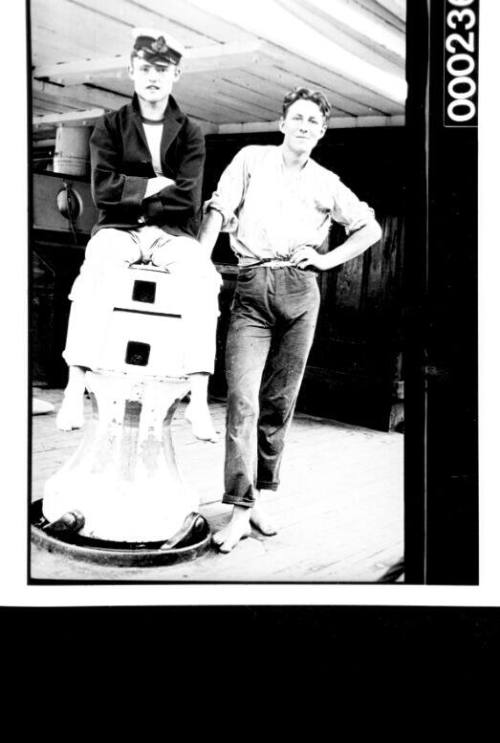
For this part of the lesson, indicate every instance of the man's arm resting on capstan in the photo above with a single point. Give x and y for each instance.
(356, 243)
(219, 211)
(209, 229)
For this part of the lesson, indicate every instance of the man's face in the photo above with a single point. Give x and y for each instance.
(153, 83)
(303, 126)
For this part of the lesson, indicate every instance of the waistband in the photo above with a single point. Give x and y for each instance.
(272, 263)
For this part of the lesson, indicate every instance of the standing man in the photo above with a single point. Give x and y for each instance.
(147, 167)
(277, 204)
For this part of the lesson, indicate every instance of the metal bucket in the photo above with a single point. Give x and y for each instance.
(72, 154)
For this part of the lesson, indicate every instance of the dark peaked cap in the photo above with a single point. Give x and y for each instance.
(156, 47)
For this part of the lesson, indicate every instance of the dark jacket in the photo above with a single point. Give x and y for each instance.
(121, 165)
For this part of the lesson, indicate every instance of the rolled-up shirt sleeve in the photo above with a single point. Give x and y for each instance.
(347, 208)
(230, 192)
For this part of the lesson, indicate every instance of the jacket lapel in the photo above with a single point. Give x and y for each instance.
(174, 118)
(139, 129)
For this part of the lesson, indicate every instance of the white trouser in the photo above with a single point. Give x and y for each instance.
(184, 258)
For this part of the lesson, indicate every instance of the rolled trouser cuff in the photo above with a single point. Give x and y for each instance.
(266, 485)
(238, 500)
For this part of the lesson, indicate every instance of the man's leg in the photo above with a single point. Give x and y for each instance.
(247, 347)
(185, 259)
(108, 250)
(292, 340)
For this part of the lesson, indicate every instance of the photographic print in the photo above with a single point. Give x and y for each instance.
(252, 300)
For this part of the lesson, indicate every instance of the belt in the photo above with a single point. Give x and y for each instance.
(273, 263)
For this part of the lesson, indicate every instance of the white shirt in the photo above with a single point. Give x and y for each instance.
(153, 132)
(269, 212)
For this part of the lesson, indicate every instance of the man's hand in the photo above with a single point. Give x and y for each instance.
(157, 184)
(308, 256)
(364, 233)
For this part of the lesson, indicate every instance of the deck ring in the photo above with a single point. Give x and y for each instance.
(121, 554)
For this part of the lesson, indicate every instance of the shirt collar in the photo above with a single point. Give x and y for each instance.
(281, 160)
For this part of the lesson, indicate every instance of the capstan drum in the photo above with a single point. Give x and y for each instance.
(123, 481)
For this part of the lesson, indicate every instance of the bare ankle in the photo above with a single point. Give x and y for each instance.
(241, 513)
(76, 381)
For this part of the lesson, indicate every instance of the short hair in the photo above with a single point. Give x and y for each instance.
(306, 94)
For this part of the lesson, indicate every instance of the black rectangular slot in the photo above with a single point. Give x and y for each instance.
(144, 291)
(137, 353)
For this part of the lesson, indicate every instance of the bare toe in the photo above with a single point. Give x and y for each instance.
(217, 538)
(201, 424)
(264, 527)
(261, 522)
(226, 539)
(230, 543)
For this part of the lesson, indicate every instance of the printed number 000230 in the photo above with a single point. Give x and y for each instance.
(460, 61)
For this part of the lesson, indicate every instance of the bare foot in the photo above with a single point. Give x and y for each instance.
(238, 528)
(70, 413)
(261, 522)
(201, 422)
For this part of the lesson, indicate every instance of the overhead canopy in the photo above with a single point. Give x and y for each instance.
(242, 57)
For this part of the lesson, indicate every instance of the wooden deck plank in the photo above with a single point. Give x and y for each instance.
(339, 508)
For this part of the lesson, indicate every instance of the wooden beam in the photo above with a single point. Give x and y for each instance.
(216, 57)
(86, 70)
(207, 127)
(212, 58)
(392, 12)
(177, 17)
(341, 122)
(252, 127)
(80, 118)
(89, 117)
(396, 7)
(361, 122)
(210, 89)
(272, 22)
(79, 96)
(353, 28)
(343, 93)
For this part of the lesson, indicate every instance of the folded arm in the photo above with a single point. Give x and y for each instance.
(111, 187)
(157, 184)
(158, 196)
(182, 197)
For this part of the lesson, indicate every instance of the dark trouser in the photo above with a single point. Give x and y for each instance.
(270, 335)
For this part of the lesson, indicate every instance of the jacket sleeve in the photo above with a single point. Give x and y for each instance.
(182, 200)
(110, 187)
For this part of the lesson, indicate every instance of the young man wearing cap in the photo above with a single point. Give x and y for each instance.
(277, 205)
(147, 165)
